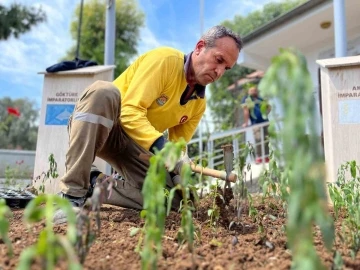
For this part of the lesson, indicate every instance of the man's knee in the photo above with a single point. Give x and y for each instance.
(103, 91)
(101, 99)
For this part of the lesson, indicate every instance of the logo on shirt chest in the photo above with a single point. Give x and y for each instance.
(183, 119)
(162, 100)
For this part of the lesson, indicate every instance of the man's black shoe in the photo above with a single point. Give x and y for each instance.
(77, 202)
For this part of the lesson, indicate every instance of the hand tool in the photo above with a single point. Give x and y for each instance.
(228, 150)
(227, 176)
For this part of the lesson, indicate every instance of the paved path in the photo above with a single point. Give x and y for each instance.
(252, 179)
(15, 184)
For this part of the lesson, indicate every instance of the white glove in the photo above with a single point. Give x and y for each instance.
(184, 159)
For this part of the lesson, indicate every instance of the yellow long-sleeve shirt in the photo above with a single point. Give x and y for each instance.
(151, 90)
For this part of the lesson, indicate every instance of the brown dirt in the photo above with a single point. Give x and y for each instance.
(244, 246)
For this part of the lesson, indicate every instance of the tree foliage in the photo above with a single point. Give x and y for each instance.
(129, 19)
(18, 132)
(225, 105)
(246, 24)
(18, 19)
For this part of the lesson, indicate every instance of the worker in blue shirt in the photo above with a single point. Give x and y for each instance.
(251, 104)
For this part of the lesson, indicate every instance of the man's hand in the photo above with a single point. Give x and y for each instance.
(245, 125)
(184, 159)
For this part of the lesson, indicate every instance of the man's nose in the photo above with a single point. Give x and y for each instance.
(219, 71)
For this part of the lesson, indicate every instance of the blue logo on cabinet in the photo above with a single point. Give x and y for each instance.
(58, 114)
(349, 111)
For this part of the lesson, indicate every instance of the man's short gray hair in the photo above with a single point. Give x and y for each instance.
(219, 31)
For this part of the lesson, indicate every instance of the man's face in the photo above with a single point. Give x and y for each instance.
(209, 64)
(253, 92)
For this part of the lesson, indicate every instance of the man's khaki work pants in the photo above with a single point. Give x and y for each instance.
(94, 130)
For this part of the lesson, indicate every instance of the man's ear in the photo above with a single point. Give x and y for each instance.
(200, 45)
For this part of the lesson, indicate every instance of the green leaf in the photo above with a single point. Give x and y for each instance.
(353, 169)
(338, 261)
(326, 225)
(215, 243)
(272, 217)
(26, 258)
(42, 243)
(34, 212)
(171, 197)
(265, 188)
(134, 231)
(5, 215)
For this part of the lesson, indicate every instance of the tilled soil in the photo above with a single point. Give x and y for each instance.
(250, 243)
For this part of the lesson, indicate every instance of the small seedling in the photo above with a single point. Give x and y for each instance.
(239, 188)
(214, 211)
(288, 80)
(188, 190)
(345, 195)
(253, 213)
(5, 215)
(51, 173)
(90, 214)
(19, 171)
(275, 182)
(154, 202)
(50, 247)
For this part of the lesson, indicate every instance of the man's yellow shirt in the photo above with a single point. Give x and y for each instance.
(151, 90)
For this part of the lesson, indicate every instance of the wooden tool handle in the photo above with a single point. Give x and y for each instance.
(214, 173)
(232, 177)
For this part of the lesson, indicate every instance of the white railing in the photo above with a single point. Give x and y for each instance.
(211, 145)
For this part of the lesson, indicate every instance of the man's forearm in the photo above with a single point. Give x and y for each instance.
(246, 116)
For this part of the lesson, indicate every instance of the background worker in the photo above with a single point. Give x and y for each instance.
(251, 104)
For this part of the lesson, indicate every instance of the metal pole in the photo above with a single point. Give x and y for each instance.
(110, 33)
(340, 28)
(201, 120)
(79, 29)
(201, 17)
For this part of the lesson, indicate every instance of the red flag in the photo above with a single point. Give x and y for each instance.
(13, 111)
